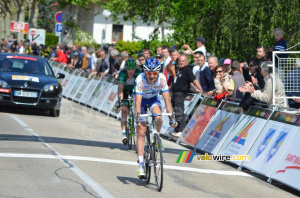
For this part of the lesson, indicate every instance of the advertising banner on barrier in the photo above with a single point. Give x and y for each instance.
(218, 129)
(245, 132)
(71, 83)
(287, 170)
(190, 102)
(272, 143)
(96, 91)
(81, 90)
(76, 86)
(103, 92)
(194, 129)
(110, 100)
(90, 90)
(68, 76)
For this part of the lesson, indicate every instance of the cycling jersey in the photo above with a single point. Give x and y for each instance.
(128, 84)
(149, 91)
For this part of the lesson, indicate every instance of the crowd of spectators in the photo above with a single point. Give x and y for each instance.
(238, 80)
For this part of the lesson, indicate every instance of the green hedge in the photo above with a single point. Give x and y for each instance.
(51, 39)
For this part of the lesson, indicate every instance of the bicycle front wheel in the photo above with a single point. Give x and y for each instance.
(158, 162)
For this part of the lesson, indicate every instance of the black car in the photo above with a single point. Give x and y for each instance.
(29, 82)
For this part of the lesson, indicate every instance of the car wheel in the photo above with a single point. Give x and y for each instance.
(54, 112)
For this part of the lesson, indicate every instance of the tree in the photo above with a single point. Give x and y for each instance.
(70, 12)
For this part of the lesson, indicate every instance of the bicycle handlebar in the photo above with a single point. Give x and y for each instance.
(155, 114)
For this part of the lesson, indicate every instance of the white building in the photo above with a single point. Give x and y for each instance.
(94, 23)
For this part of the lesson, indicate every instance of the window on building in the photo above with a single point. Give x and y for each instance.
(117, 34)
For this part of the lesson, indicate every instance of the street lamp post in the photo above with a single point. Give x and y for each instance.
(106, 14)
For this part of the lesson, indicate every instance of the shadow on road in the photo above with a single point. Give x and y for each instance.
(56, 140)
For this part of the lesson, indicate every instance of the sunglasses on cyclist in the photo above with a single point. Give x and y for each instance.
(151, 73)
(219, 71)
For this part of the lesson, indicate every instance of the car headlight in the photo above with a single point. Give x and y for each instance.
(50, 88)
(4, 85)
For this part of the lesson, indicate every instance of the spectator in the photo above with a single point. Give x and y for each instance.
(85, 59)
(266, 94)
(160, 58)
(175, 57)
(292, 85)
(76, 62)
(204, 75)
(297, 100)
(253, 74)
(261, 52)
(61, 55)
(53, 52)
(196, 66)
(227, 66)
(44, 52)
(280, 44)
(159, 50)
(238, 80)
(105, 62)
(166, 53)
(13, 48)
(93, 60)
(125, 57)
(224, 85)
(147, 53)
(21, 49)
(172, 73)
(212, 64)
(180, 87)
(200, 44)
(141, 60)
(112, 61)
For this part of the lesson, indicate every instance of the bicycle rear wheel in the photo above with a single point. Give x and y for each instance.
(158, 162)
(129, 140)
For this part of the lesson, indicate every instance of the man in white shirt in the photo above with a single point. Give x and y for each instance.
(21, 49)
(200, 44)
(166, 53)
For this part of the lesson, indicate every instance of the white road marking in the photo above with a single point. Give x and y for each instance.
(23, 124)
(89, 181)
(180, 168)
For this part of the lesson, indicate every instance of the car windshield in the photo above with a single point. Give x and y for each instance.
(24, 65)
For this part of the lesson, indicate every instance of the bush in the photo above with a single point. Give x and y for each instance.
(87, 44)
(82, 36)
(51, 39)
(131, 47)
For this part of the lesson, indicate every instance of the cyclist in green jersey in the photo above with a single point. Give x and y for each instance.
(126, 84)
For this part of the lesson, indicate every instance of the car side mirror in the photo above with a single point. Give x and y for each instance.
(60, 76)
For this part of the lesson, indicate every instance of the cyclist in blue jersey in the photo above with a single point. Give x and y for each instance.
(147, 87)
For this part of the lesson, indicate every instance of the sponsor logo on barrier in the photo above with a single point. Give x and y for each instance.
(277, 145)
(217, 130)
(265, 142)
(293, 159)
(240, 138)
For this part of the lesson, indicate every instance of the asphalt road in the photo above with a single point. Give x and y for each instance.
(80, 154)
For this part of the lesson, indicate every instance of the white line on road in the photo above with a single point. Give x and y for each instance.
(89, 181)
(180, 168)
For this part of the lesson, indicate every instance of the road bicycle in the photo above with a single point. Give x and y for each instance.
(153, 156)
(130, 129)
